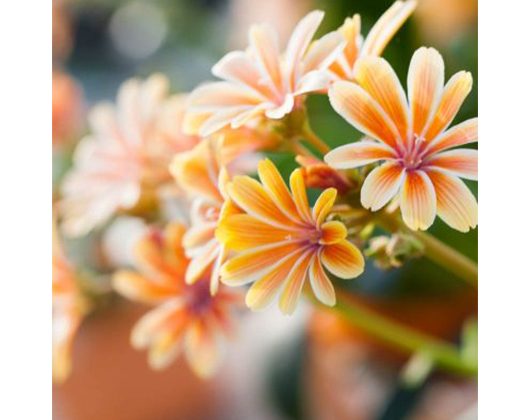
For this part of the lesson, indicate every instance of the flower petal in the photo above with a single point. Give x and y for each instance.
(386, 27)
(358, 154)
(343, 259)
(332, 232)
(298, 190)
(323, 205)
(202, 349)
(136, 287)
(357, 107)
(263, 291)
(202, 261)
(323, 52)
(320, 283)
(240, 232)
(376, 77)
(250, 196)
(460, 162)
(463, 133)
(455, 204)
(381, 185)
(425, 84)
(253, 264)
(418, 200)
(294, 283)
(263, 41)
(274, 184)
(300, 40)
(454, 94)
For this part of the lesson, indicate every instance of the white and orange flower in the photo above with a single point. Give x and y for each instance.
(69, 307)
(261, 81)
(126, 155)
(186, 318)
(422, 167)
(280, 241)
(376, 40)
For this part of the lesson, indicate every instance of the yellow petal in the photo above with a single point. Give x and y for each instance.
(298, 190)
(294, 283)
(418, 200)
(202, 349)
(323, 205)
(320, 283)
(332, 232)
(343, 259)
(136, 287)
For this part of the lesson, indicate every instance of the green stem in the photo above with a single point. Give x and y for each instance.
(443, 355)
(436, 250)
(314, 140)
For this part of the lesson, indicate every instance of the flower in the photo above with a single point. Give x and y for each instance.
(68, 310)
(126, 155)
(318, 174)
(185, 318)
(67, 108)
(376, 40)
(280, 241)
(412, 139)
(260, 81)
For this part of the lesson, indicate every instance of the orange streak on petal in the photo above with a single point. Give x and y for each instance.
(320, 283)
(358, 154)
(343, 259)
(323, 205)
(332, 232)
(381, 185)
(294, 283)
(418, 200)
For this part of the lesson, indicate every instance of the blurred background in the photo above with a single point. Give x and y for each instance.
(310, 365)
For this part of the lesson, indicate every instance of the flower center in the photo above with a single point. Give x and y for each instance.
(412, 157)
(199, 299)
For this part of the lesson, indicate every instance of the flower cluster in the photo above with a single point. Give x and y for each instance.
(249, 221)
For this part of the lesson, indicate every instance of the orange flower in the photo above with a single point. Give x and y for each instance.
(280, 241)
(412, 138)
(318, 174)
(186, 318)
(376, 40)
(262, 82)
(127, 153)
(67, 107)
(69, 308)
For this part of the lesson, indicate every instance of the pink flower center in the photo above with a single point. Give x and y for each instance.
(411, 157)
(199, 299)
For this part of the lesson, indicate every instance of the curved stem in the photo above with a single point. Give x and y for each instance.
(436, 250)
(442, 354)
(314, 140)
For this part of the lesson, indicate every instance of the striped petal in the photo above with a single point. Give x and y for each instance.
(250, 196)
(425, 84)
(298, 190)
(320, 283)
(236, 66)
(274, 184)
(357, 107)
(453, 96)
(323, 205)
(294, 283)
(381, 185)
(265, 289)
(343, 259)
(332, 232)
(463, 133)
(241, 231)
(358, 154)
(376, 77)
(323, 52)
(418, 200)
(386, 27)
(300, 39)
(455, 204)
(253, 264)
(202, 261)
(460, 162)
(263, 41)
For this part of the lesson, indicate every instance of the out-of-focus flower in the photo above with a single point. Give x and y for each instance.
(126, 156)
(262, 82)
(445, 22)
(186, 318)
(67, 107)
(318, 174)
(69, 308)
(376, 40)
(280, 241)
(388, 252)
(198, 172)
(412, 138)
